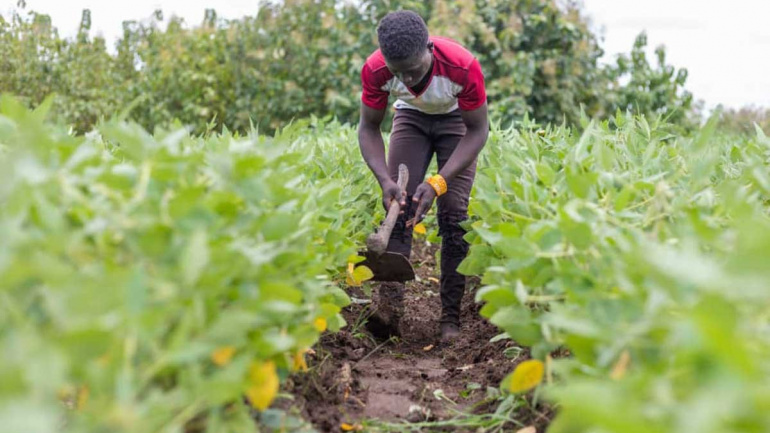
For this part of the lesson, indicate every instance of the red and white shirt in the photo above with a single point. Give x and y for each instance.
(455, 81)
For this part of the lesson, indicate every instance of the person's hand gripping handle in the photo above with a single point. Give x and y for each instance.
(378, 242)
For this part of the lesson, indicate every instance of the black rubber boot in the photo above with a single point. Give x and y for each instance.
(454, 249)
(449, 332)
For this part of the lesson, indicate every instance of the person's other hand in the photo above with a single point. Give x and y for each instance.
(423, 198)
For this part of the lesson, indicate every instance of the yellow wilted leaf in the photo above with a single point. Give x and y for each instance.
(420, 229)
(299, 363)
(619, 370)
(354, 259)
(530, 429)
(350, 427)
(83, 394)
(358, 275)
(320, 324)
(363, 273)
(222, 356)
(349, 279)
(262, 384)
(527, 375)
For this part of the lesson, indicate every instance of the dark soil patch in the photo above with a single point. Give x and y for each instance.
(414, 378)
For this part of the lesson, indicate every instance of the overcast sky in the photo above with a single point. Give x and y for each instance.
(725, 45)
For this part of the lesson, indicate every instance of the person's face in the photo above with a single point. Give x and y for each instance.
(412, 70)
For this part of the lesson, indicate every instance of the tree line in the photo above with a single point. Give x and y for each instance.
(301, 58)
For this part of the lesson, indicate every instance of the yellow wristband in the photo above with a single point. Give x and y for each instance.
(438, 183)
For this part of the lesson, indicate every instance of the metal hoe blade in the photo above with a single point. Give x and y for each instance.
(388, 266)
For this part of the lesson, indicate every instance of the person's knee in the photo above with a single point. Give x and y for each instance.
(450, 228)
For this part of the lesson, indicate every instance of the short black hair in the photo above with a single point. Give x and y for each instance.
(402, 35)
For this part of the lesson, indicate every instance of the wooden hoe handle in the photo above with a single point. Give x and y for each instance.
(378, 242)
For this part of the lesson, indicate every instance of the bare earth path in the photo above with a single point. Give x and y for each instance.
(354, 378)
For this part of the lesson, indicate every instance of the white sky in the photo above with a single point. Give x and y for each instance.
(725, 45)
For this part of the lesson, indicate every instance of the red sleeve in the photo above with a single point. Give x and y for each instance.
(373, 96)
(474, 94)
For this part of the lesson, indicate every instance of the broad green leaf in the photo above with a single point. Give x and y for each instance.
(195, 257)
(276, 290)
(624, 198)
(477, 260)
(280, 226)
(496, 295)
(580, 184)
(545, 173)
(518, 323)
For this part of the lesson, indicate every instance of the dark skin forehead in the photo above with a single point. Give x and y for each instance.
(417, 63)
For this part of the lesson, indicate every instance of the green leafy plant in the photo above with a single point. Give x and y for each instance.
(152, 281)
(642, 253)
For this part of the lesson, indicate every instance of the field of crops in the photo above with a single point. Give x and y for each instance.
(173, 283)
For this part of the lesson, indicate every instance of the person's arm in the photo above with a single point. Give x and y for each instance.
(373, 151)
(370, 141)
(470, 145)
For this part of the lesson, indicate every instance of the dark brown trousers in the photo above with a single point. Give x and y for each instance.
(414, 139)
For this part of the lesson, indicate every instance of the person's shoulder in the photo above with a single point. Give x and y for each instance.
(376, 62)
(375, 71)
(452, 52)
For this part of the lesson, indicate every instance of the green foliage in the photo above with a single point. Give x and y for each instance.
(299, 58)
(35, 63)
(129, 259)
(289, 61)
(638, 87)
(628, 241)
(538, 58)
(745, 120)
